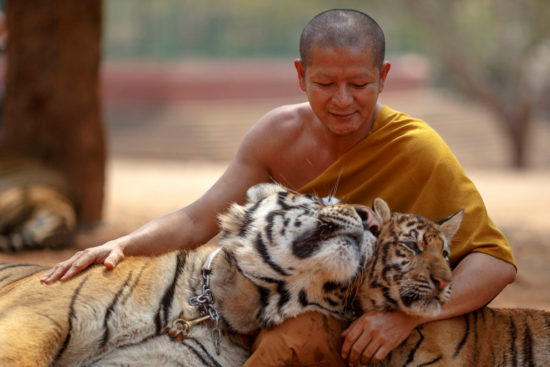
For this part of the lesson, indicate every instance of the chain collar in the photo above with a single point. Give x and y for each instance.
(205, 301)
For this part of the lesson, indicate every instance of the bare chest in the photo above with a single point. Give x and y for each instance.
(296, 166)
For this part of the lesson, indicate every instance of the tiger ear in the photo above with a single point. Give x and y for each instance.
(263, 190)
(382, 209)
(450, 225)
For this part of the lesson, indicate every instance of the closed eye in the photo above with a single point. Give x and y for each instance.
(328, 200)
(411, 246)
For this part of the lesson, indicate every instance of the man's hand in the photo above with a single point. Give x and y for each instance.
(110, 254)
(373, 335)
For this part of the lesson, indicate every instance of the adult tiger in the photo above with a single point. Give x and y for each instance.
(410, 272)
(37, 208)
(282, 254)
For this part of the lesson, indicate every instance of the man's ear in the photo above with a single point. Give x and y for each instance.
(298, 64)
(386, 66)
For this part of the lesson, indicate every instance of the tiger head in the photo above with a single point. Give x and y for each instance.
(410, 268)
(300, 252)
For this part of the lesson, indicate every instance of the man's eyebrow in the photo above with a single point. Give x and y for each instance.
(363, 75)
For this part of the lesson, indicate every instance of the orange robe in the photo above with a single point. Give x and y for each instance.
(406, 163)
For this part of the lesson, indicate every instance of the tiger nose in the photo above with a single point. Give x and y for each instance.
(369, 220)
(440, 283)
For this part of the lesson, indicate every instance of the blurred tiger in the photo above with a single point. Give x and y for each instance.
(410, 272)
(281, 254)
(37, 208)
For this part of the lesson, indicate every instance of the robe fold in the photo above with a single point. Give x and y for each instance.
(406, 163)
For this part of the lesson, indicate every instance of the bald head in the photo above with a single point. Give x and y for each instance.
(343, 28)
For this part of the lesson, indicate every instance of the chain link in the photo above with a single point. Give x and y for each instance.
(205, 302)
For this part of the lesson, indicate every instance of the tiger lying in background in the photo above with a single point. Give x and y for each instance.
(281, 254)
(37, 209)
(409, 271)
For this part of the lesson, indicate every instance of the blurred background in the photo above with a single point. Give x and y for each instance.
(141, 104)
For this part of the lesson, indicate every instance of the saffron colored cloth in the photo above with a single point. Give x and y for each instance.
(406, 163)
(311, 339)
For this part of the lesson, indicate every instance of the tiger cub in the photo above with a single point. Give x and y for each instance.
(278, 253)
(410, 272)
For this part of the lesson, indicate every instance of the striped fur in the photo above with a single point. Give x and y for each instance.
(37, 209)
(282, 254)
(485, 337)
(409, 269)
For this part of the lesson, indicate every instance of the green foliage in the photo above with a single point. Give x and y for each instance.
(496, 38)
(214, 28)
(497, 41)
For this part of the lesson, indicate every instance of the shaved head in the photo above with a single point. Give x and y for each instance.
(343, 28)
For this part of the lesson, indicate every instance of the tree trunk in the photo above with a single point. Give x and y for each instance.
(519, 122)
(52, 99)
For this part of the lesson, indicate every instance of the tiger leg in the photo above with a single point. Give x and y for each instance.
(34, 343)
(311, 339)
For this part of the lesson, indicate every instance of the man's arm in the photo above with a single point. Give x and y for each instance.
(477, 279)
(188, 227)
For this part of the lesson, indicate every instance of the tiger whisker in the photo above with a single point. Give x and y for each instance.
(336, 184)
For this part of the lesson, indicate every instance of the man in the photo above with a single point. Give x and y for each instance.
(341, 139)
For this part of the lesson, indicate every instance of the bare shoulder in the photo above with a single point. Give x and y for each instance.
(280, 142)
(277, 128)
(287, 119)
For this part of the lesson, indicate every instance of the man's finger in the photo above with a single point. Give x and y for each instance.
(369, 352)
(358, 348)
(380, 354)
(59, 270)
(113, 259)
(345, 332)
(351, 334)
(80, 263)
(53, 274)
(70, 273)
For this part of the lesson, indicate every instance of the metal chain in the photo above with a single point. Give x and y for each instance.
(206, 303)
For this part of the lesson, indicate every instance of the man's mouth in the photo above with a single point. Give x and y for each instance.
(343, 116)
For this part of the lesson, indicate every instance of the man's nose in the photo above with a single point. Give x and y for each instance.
(342, 96)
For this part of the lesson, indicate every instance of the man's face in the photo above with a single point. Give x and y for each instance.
(342, 86)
